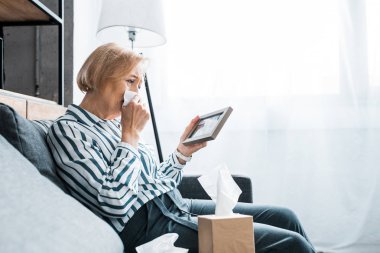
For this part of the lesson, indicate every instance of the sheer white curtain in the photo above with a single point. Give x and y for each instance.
(303, 78)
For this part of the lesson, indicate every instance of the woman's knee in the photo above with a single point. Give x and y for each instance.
(300, 245)
(286, 214)
(283, 218)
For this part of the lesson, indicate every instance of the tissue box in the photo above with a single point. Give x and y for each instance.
(219, 234)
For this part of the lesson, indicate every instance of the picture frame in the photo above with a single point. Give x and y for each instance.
(208, 126)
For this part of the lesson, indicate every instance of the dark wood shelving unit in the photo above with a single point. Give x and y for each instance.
(33, 13)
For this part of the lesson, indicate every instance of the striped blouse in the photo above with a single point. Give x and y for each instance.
(110, 177)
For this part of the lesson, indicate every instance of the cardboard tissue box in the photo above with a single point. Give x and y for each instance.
(226, 234)
(225, 231)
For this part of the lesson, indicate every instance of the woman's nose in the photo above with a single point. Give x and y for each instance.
(134, 88)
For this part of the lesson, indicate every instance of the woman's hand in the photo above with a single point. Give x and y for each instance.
(188, 150)
(134, 116)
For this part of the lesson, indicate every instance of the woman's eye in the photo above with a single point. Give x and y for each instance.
(130, 81)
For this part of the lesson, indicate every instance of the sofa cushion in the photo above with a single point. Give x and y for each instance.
(190, 188)
(30, 140)
(38, 217)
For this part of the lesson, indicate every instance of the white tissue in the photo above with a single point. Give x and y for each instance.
(128, 96)
(221, 187)
(162, 244)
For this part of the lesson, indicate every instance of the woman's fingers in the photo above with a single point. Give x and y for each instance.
(135, 115)
(188, 150)
(198, 146)
(189, 127)
(136, 99)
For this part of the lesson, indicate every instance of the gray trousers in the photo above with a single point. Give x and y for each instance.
(275, 229)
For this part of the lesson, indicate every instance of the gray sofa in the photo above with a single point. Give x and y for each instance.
(36, 212)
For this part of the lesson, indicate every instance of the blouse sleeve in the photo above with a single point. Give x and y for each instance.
(171, 168)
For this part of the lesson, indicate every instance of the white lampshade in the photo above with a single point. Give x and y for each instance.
(118, 17)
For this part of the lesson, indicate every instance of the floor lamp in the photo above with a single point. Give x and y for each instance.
(138, 23)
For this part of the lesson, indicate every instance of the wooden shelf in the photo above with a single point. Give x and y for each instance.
(21, 11)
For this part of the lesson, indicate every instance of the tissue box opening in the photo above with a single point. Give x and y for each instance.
(219, 234)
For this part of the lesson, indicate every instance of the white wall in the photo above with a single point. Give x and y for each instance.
(86, 13)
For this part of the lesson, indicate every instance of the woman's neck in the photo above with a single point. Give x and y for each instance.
(97, 106)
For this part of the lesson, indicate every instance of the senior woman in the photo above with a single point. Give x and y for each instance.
(105, 166)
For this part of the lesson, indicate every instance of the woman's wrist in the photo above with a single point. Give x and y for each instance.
(131, 138)
(183, 159)
(182, 149)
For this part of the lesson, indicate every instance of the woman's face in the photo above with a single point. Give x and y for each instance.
(113, 92)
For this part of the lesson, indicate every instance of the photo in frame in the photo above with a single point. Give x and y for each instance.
(208, 126)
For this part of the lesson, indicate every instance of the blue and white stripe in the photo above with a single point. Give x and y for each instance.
(110, 177)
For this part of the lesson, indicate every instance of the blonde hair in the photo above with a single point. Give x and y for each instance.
(108, 62)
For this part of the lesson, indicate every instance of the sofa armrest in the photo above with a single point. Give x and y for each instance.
(191, 188)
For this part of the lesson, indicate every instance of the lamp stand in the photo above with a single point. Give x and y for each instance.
(132, 38)
(158, 145)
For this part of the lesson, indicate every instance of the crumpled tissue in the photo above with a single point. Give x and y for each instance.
(221, 187)
(162, 244)
(128, 96)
